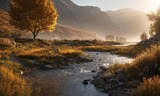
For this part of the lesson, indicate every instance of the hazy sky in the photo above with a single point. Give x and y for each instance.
(143, 5)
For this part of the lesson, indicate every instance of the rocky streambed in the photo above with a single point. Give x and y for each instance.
(77, 79)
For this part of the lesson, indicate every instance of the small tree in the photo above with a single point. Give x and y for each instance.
(33, 15)
(109, 38)
(144, 36)
(155, 26)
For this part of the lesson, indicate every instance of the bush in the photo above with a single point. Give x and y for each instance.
(12, 84)
(5, 42)
(150, 87)
(147, 64)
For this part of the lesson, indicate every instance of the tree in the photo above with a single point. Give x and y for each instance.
(109, 38)
(33, 15)
(155, 26)
(144, 36)
(120, 39)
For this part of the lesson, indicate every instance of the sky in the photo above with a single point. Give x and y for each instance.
(143, 5)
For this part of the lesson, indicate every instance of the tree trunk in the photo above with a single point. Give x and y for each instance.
(34, 35)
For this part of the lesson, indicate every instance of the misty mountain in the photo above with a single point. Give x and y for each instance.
(132, 23)
(84, 17)
(123, 22)
(69, 33)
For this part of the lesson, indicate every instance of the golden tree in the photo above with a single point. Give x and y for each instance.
(33, 15)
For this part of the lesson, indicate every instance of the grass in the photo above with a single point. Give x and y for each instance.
(150, 87)
(130, 51)
(5, 43)
(11, 82)
(39, 57)
(145, 64)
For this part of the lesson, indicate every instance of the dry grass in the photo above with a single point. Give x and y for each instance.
(145, 64)
(150, 87)
(5, 42)
(130, 51)
(11, 84)
(71, 51)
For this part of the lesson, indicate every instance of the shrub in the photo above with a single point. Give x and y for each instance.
(150, 87)
(147, 64)
(11, 84)
(71, 52)
(5, 42)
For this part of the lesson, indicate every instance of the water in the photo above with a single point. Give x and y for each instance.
(68, 82)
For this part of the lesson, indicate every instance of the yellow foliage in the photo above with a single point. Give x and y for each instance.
(33, 15)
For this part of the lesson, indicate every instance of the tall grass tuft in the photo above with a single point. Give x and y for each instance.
(150, 87)
(146, 64)
(12, 84)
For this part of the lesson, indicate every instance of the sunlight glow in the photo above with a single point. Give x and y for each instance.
(155, 5)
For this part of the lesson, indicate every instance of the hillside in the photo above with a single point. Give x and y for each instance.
(132, 23)
(84, 17)
(69, 33)
(61, 32)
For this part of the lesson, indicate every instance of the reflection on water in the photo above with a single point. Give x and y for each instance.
(68, 82)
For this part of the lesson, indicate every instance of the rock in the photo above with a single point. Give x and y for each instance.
(85, 82)
(134, 83)
(48, 67)
(118, 71)
(93, 71)
(121, 84)
(13, 42)
(100, 59)
(104, 68)
(21, 72)
(140, 74)
(92, 82)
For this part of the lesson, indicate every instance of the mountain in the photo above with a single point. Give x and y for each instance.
(84, 17)
(61, 31)
(132, 23)
(4, 22)
(67, 32)
(126, 22)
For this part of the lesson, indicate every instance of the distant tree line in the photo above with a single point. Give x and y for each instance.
(144, 36)
(115, 38)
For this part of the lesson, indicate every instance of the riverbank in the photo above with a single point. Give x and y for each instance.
(34, 55)
(125, 78)
(69, 81)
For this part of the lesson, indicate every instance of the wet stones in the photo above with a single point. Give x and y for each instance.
(48, 67)
(85, 82)
(103, 68)
(93, 71)
(113, 83)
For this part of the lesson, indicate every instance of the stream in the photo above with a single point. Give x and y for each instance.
(68, 81)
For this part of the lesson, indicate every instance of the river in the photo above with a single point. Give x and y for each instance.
(68, 81)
